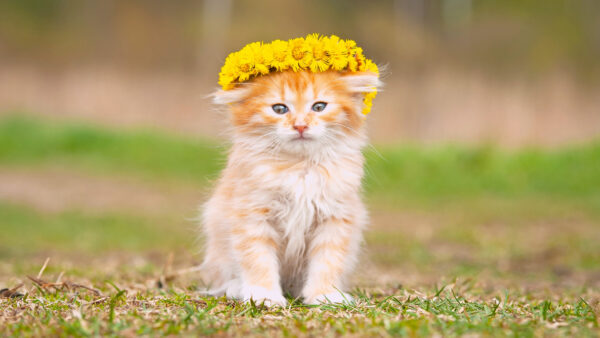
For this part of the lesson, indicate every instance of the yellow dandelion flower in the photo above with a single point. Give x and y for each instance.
(226, 80)
(261, 56)
(299, 54)
(279, 49)
(320, 59)
(337, 51)
(245, 65)
(228, 73)
(360, 60)
(314, 53)
(350, 45)
(371, 66)
(355, 58)
(368, 102)
(351, 51)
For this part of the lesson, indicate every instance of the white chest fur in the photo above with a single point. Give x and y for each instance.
(305, 194)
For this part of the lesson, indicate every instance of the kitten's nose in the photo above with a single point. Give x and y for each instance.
(301, 128)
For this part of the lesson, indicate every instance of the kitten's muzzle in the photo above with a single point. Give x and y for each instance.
(301, 129)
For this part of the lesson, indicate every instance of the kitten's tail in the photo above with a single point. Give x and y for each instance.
(226, 288)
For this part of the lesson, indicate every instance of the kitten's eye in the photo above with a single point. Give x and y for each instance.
(319, 106)
(280, 108)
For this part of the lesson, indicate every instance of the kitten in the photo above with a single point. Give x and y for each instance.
(286, 214)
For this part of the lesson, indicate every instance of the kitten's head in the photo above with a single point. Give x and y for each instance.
(299, 112)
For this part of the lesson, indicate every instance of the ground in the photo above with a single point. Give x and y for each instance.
(98, 228)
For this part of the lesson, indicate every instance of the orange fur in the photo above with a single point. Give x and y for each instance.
(298, 83)
(286, 214)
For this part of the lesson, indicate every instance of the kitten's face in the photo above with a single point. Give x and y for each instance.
(299, 112)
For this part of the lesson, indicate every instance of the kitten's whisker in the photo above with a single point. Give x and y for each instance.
(368, 143)
(366, 166)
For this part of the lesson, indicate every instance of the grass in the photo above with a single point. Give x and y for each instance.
(31, 142)
(410, 172)
(450, 171)
(26, 231)
(464, 241)
(457, 308)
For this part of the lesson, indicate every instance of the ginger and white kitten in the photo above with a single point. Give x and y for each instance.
(286, 214)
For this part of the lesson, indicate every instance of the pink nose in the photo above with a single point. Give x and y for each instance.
(301, 128)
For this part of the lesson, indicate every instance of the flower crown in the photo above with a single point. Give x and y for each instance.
(314, 53)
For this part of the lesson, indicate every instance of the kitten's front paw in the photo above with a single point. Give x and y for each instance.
(336, 297)
(261, 295)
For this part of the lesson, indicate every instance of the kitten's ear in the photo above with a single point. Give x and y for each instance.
(231, 96)
(364, 82)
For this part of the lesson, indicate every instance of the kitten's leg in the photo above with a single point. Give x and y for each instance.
(331, 254)
(218, 268)
(255, 249)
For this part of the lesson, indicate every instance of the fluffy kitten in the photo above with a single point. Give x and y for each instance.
(286, 214)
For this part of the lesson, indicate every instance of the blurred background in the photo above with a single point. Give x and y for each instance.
(486, 161)
(509, 72)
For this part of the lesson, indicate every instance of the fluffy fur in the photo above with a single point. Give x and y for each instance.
(286, 214)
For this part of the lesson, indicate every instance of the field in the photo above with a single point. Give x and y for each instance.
(99, 226)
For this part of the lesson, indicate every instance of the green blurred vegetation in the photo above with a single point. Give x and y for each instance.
(26, 231)
(411, 172)
(452, 170)
(32, 142)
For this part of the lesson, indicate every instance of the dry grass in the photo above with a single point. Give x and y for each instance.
(126, 306)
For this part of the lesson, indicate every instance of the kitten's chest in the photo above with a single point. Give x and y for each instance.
(317, 190)
(304, 190)
(308, 184)
(303, 201)
(305, 184)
